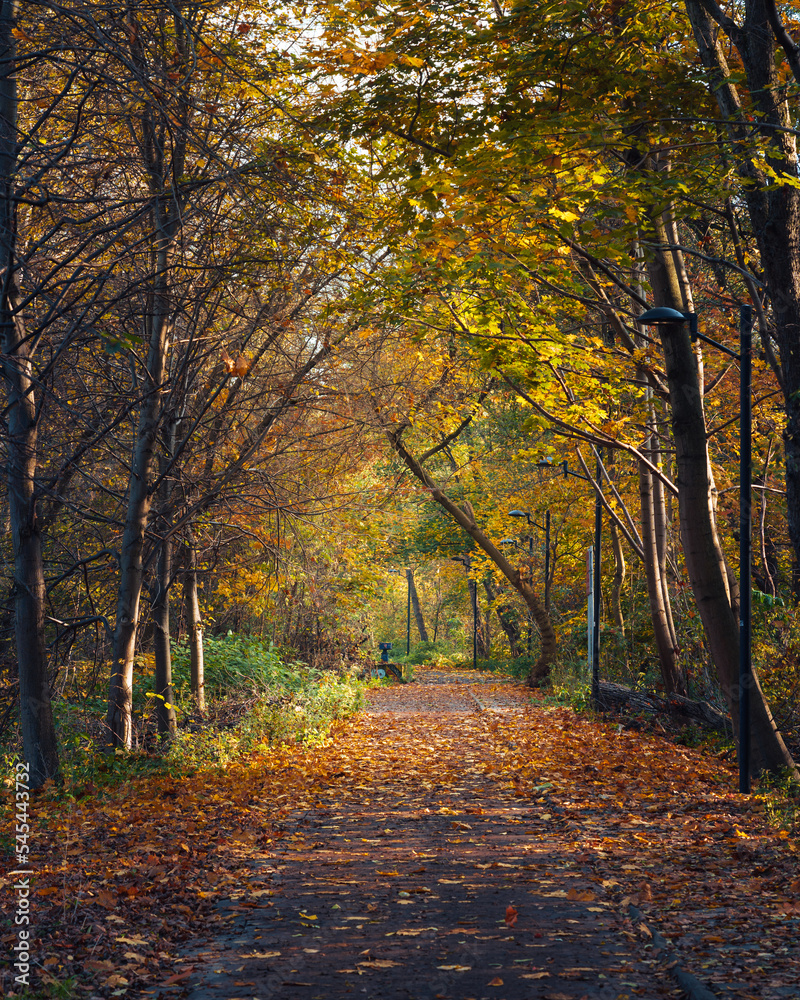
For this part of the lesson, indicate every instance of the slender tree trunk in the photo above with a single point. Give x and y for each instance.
(660, 526)
(705, 562)
(165, 703)
(119, 720)
(195, 622)
(505, 617)
(618, 582)
(36, 713)
(670, 673)
(165, 166)
(418, 618)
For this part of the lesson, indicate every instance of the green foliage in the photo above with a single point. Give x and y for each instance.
(255, 698)
(63, 989)
(780, 796)
(422, 652)
(238, 663)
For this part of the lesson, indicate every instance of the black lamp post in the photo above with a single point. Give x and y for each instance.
(529, 519)
(531, 522)
(664, 314)
(408, 608)
(596, 594)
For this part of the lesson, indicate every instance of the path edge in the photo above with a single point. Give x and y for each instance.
(691, 985)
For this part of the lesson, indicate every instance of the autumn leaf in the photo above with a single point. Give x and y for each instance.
(511, 916)
(585, 896)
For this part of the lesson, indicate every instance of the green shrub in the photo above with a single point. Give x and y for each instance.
(236, 664)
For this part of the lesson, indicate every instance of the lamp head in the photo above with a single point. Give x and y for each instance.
(518, 513)
(662, 314)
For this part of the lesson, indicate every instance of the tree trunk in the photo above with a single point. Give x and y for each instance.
(39, 742)
(619, 580)
(705, 562)
(773, 204)
(670, 674)
(412, 590)
(195, 623)
(660, 526)
(505, 617)
(119, 720)
(165, 699)
(653, 521)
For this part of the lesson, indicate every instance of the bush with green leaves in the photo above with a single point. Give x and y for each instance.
(288, 702)
(237, 664)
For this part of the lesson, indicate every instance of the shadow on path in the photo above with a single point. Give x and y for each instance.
(425, 882)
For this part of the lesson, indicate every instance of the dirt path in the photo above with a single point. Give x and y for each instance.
(427, 874)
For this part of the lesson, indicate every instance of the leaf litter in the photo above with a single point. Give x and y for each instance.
(131, 887)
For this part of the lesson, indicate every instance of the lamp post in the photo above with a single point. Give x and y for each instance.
(408, 607)
(472, 587)
(664, 314)
(408, 612)
(596, 566)
(526, 514)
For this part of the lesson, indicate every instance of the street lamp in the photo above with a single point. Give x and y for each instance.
(513, 541)
(596, 566)
(408, 608)
(526, 514)
(664, 314)
(472, 587)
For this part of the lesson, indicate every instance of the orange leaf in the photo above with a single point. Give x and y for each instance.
(511, 916)
(497, 981)
(179, 976)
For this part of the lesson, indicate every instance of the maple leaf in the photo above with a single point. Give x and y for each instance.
(511, 916)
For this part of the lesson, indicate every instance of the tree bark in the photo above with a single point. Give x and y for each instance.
(39, 742)
(165, 167)
(773, 204)
(618, 582)
(195, 623)
(507, 622)
(703, 554)
(119, 720)
(165, 698)
(418, 618)
(670, 673)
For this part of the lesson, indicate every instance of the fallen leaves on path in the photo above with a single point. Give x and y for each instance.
(123, 881)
